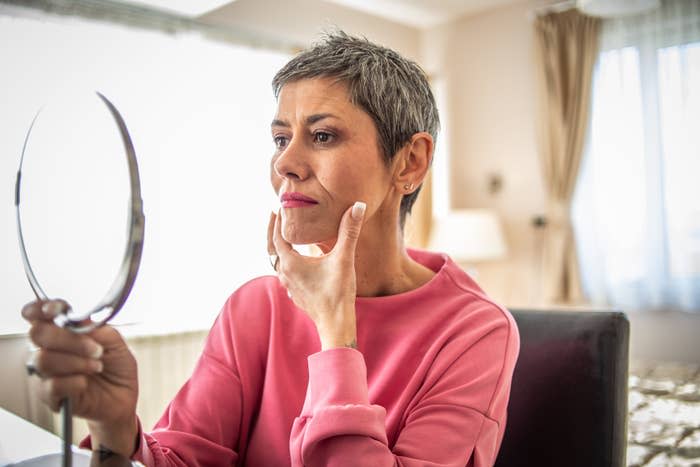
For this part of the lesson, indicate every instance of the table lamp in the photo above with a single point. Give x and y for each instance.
(469, 236)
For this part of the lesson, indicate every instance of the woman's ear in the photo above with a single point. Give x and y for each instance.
(413, 162)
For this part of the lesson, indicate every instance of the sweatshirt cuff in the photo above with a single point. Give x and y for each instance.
(336, 377)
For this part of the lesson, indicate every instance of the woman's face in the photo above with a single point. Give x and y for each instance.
(326, 157)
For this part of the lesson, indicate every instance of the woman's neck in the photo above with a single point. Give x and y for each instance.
(382, 275)
(383, 266)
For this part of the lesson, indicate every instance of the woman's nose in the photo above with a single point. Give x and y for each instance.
(291, 163)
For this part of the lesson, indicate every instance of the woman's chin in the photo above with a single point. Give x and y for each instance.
(304, 236)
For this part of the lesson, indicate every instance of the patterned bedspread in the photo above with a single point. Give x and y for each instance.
(664, 415)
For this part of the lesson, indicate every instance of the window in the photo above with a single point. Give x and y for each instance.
(199, 113)
(637, 206)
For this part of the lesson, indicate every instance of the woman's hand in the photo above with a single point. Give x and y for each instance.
(95, 370)
(325, 286)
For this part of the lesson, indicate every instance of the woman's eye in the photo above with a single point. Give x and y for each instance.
(280, 141)
(322, 137)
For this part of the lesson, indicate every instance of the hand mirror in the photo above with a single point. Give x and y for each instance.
(77, 187)
(72, 193)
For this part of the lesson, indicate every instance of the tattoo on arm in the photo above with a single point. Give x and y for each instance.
(104, 453)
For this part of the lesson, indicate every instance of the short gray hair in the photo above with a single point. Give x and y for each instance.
(393, 90)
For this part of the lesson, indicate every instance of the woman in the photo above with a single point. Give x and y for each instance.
(368, 354)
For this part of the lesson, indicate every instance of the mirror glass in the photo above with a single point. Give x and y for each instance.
(74, 200)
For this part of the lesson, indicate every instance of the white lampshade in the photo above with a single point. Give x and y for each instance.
(616, 8)
(469, 235)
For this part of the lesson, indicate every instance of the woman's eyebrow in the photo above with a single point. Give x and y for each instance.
(310, 120)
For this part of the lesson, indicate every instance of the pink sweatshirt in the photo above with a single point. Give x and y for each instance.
(427, 385)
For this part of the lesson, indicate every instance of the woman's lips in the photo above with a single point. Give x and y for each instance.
(296, 200)
(293, 203)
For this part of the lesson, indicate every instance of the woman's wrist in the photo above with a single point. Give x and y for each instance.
(332, 342)
(116, 437)
(339, 332)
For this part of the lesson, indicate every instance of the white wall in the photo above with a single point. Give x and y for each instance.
(487, 62)
(14, 394)
(665, 336)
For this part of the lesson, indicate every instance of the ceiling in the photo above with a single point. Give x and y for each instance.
(415, 13)
(421, 13)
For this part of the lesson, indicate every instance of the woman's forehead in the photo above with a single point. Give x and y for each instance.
(300, 100)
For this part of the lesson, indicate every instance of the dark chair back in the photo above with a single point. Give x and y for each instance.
(568, 402)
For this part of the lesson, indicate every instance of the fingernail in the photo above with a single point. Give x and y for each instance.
(95, 350)
(358, 210)
(52, 309)
(96, 366)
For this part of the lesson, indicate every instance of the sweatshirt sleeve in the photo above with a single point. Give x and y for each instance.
(191, 431)
(206, 422)
(200, 425)
(458, 415)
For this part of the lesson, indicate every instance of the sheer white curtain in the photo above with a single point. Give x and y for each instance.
(637, 206)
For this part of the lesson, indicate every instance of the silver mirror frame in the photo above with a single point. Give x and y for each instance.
(117, 294)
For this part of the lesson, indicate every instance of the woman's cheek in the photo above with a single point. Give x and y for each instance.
(275, 180)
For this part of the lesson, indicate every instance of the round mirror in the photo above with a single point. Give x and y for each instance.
(79, 213)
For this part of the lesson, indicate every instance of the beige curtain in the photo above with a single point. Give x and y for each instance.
(418, 223)
(567, 46)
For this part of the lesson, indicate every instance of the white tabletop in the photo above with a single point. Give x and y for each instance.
(21, 440)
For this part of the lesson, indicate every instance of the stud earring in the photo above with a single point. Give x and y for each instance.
(408, 186)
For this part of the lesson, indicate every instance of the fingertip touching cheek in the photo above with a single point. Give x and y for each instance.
(326, 157)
